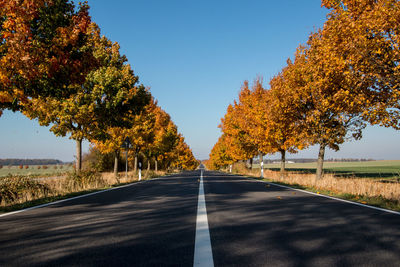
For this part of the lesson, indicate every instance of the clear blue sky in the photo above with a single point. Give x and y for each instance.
(195, 55)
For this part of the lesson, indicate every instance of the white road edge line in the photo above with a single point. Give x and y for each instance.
(202, 246)
(334, 198)
(81, 196)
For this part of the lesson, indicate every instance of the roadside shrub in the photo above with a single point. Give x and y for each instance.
(1, 166)
(55, 167)
(94, 159)
(61, 167)
(20, 189)
(26, 167)
(44, 167)
(86, 179)
(239, 167)
(21, 167)
(39, 167)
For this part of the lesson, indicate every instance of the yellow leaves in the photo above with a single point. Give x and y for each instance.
(5, 97)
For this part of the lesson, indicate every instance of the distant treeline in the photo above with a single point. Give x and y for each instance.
(299, 160)
(306, 160)
(16, 162)
(349, 160)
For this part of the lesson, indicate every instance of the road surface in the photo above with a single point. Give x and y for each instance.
(153, 223)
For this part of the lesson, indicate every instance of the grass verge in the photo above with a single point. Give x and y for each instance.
(62, 190)
(376, 201)
(45, 200)
(366, 191)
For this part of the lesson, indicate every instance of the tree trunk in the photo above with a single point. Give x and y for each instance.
(148, 169)
(320, 163)
(78, 155)
(116, 154)
(135, 165)
(155, 165)
(260, 155)
(283, 160)
(251, 163)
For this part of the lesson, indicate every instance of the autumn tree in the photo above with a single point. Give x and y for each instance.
(43, 50)
(112, 144)
(139, 134)
(262, 120)
(365, 37)
(236, 125)
(165, 139)
(232, 125)
(184, 156)
(320, 87)
(142, 133)
(275, 120)
(220, 154)
(108, 97)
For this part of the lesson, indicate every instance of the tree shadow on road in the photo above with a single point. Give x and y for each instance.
(252, 223)
(148, 224)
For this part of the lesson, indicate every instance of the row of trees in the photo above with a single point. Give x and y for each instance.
(56, 67)
(345, 77)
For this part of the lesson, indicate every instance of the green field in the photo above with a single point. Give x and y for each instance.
(34, 171)
(388, 169)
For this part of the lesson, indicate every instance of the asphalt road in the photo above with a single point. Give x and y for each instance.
(147, 224)
(154, 224)
(252, 224)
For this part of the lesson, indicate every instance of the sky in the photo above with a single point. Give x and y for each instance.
(194, 56)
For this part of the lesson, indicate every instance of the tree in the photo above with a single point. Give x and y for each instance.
(364, 37)
(232, 126)
(185, 159)
(276, 119)
(43, 50)
(236, 125)
(112, 144)
(107, 98)
(142, 132)
(320, 87)
(139, 133)
(220, 154)
(263, 120)
(165, 139)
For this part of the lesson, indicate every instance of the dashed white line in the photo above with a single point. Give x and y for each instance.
(202, 248)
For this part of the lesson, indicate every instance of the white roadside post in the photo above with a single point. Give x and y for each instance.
(140, 171)
(126, 163)
(230, 168)
(262, 169)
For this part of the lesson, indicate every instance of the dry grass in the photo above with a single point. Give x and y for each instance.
(20, 189)
(110, 179)
(355, 186)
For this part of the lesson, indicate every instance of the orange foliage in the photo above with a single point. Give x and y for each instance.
(41, 54)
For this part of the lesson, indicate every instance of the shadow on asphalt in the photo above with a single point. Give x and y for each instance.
(253, 224)
(147, 224)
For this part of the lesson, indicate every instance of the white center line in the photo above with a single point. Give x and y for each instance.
(202, 247)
